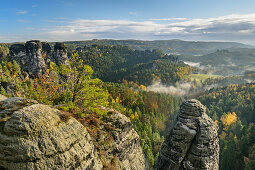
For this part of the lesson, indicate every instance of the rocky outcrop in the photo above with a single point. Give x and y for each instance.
(192, 142)
(35, 136)
(29, 57)
(60, 54)
(33, 56)
(35, 63)
(125, 145)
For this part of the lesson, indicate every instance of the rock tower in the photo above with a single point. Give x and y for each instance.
(33, 56)
(192, 142)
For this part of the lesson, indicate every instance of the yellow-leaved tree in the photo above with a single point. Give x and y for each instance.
(229, 119)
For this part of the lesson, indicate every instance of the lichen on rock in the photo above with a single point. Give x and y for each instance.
(126, 143)
(36, 137)
(192, 141)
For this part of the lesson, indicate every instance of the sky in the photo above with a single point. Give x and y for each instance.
(69, 20)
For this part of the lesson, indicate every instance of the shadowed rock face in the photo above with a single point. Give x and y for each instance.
(35, 63)
(46, 48)
(29, 57)
(192, 142)
(60, 54)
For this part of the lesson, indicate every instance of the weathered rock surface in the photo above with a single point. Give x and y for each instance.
(192, 142)
(60, 54)
(35, 136)
(126, 144)
(29, 57)
(33, 56)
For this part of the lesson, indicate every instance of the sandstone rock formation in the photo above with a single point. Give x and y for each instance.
(29, 57)
(192, 142)
(35, 136)
(33, 56)
(60, 54)
(125, 144)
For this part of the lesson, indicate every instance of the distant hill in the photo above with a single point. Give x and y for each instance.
(167, 46)
(226, 62)
(117, 63)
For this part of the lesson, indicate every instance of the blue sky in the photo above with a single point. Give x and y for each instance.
(61, 20)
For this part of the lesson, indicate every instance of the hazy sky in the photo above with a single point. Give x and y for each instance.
(60, 20)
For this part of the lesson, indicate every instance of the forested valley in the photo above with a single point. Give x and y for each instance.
(118, 77)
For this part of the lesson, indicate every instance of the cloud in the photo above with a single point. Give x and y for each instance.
(169, 19)
(29, 28)
(226, 28)
(235, 27)
(193, 64)
(132, 13)
(179, 90)
(34, 6)
(23, 21)
(21, 12)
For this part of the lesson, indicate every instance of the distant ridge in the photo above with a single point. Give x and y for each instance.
(174, 46)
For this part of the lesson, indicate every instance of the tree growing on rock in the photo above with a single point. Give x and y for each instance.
(81, 92)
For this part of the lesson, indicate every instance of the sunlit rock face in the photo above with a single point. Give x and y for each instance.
(192, 142)
(125, 144)
(36, 136)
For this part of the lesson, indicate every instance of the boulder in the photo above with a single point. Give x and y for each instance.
(192, 141)
(36, 136)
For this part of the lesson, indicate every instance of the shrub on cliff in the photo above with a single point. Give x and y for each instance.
(82, 93)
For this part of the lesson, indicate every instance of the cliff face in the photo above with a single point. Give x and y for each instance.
(192, 142)
(125, 145)
(34, 55)
(36, 136)
(60, 54)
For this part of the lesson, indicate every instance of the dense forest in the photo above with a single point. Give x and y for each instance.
(225, 62)
(232, 108)
(117, 63)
